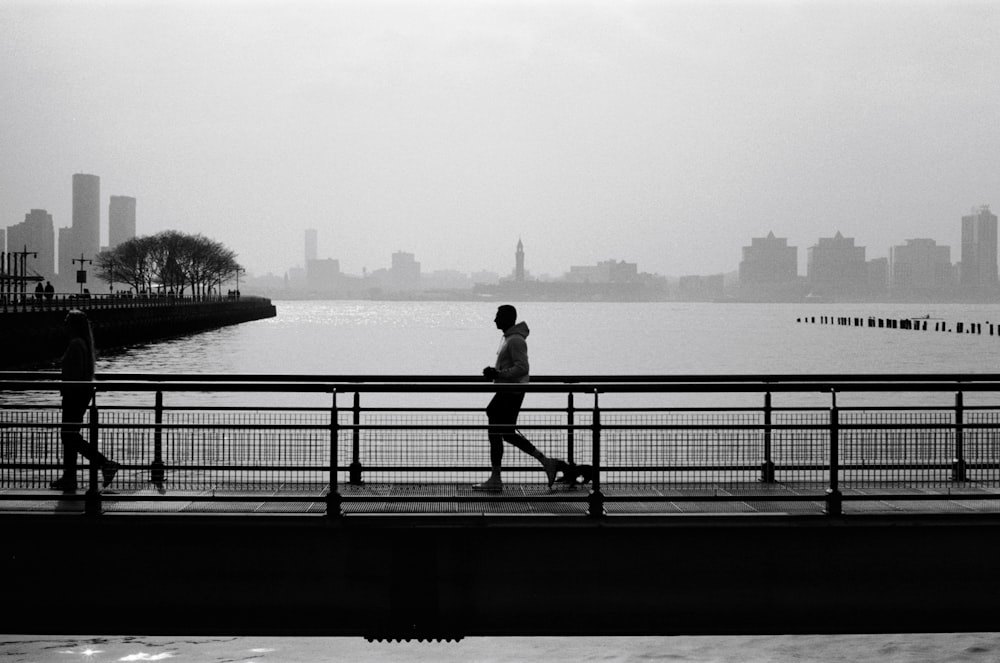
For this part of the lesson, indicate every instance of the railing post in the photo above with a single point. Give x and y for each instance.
(570, 417)
(767, 466)
(834, 503)
(333, 499)
(92, 504)
(156, 473)
(958, 463)
(355, 469)
(596, 499)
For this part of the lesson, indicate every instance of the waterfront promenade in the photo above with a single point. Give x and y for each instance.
(32, 329)
(303, 505)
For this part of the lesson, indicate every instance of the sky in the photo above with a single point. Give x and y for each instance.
(663, 133)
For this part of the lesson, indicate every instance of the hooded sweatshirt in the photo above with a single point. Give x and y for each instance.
(512, 356)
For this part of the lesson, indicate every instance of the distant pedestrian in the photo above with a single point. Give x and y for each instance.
(50, 292)
(511, 367)
(39, 292)
(78, 366)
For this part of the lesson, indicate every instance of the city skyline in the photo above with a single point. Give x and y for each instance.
(121, 225)
(641, 129)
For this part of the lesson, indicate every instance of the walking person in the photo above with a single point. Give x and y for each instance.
(511, 367)
(78, 366)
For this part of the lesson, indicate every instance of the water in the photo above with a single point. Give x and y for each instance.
(458, 338)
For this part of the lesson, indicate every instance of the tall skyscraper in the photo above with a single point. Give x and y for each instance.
(36, 234)
(121, 220)
(84, 236)
(979, 249)
(519, 261)
(310, 245)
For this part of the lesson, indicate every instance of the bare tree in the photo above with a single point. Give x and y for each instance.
(169, 260)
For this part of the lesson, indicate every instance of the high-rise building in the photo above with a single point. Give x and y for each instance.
(36, 234)
(769, 270)
(311, 242)
(836, 267)
(84, 236)
(405, 271)
(920, 268)
(769, 260)
(978, 270)
(519, 261)
(121, 220)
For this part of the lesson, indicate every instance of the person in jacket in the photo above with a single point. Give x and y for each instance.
(511, 368)
(78, 366)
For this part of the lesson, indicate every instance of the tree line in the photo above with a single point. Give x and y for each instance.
(170, 260)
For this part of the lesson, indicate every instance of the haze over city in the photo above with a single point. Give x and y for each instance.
(662, 133)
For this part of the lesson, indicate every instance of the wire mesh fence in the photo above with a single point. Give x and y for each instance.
(638, 452)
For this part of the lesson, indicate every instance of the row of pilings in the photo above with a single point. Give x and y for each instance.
(912, 324)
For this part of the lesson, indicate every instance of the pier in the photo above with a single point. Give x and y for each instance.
(343, 505)
(33, 333)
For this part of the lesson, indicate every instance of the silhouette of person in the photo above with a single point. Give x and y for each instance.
(50, 292)
(78, 366)
(511, 367)
(39, 292)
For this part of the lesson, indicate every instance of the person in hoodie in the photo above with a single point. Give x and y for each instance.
(511, 367)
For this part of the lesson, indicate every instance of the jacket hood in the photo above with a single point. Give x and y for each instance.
(521, 329)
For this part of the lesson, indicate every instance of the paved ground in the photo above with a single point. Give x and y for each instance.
(528, 499)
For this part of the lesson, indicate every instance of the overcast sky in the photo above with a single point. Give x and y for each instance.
(662, 133)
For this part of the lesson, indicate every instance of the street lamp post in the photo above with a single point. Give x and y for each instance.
(81, 274)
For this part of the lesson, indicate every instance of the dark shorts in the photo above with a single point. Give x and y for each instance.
(504, 407)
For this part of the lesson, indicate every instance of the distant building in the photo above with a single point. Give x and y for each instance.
(121, 220)
(837, 268)
(769, 270)
(608, 271)
(295, 279)
(311, 244)
(484, 278)
(445, 279)
(978, 270)
(405, 271)
(769, 260)
(701, 288)
(322, 275)
(83, 238)
(519, 261)
(920, 268)
(36, 234)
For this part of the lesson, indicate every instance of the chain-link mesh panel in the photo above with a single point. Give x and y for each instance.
(896, 448)
(981, 442)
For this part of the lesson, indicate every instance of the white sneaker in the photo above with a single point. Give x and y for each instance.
(493, 484)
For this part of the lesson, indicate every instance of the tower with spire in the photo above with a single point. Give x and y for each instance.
(519, 261)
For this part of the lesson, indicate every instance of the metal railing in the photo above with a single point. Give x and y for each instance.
(346, 444)
(30, 302)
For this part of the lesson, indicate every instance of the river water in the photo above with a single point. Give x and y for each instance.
(333, 338)
(459, 338)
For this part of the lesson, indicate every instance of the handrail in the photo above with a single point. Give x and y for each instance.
(777, 378)
(726, 452)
